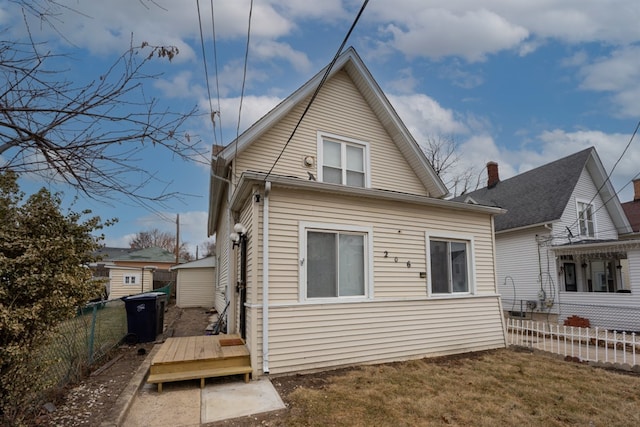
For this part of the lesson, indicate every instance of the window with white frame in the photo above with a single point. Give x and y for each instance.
(586, 219)
(335, 261)
(450, 265)
(131, 279)
(343, 160)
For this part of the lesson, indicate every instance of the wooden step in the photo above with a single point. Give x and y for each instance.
(201, 374)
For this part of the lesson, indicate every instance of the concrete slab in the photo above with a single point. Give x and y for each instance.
(238, 399)
(177, 406)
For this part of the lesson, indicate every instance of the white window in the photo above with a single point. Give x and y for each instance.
(586, 219)
(450, 265)
(131, 279)
(335, 261)
(343, 161)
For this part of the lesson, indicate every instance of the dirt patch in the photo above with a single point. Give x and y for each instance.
(90, 402)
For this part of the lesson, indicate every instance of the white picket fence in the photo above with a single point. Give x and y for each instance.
(586, 344)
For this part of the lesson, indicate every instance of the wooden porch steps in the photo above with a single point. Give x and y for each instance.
(201, 357)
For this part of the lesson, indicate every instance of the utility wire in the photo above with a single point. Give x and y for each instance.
(315, 94)
(244, 79)
(206, 71)
(635, 131)
(215, 64)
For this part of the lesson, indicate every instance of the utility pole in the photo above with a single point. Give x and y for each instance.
(177, 238)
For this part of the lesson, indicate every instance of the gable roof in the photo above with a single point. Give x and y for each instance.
(206, 262)
(350, 62)
(540, 196)
(153, 254)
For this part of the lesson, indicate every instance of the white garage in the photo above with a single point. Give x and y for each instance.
(196, 283)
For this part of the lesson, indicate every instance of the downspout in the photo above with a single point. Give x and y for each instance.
(265, 279)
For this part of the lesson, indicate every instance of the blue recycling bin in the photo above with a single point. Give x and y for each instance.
(145, 316)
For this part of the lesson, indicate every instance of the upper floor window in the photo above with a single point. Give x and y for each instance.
(343, 161)
(586, 219)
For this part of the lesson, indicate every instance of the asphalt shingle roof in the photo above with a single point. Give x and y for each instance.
(536, 196)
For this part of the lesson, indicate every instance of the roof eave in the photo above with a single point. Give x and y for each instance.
(248, 179)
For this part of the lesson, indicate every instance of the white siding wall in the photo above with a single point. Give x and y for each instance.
(117, 288)
(584, 191)
(339, 109)
(196, 287)
(518, 259)
(223, 246)
(400, 321)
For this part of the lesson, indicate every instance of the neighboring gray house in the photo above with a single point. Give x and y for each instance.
(557, 247)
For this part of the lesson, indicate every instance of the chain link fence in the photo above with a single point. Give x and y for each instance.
(80, 342)
(611, 317)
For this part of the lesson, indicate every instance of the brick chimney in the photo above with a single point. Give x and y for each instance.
(636, 190)
(493, 176)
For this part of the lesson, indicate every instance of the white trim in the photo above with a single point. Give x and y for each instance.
(265, 278)
(471, 262)
(373, 301)
(591, 203)
(303, 227)
(343, 141)
(136, 276)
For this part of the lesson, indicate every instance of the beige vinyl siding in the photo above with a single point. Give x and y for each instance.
(196, 287)
(328, 335)
(399, 230)
(517, 258)
(117, 288)
(223, 246)
(341, 110)
(584, 191)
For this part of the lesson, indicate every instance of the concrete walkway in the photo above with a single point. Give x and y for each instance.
(184, 403)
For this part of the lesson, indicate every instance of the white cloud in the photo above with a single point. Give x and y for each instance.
(471, 34)
(270, 49)
(553, 145)
(425, 117)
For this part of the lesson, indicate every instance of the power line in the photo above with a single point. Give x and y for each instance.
(244, 79)
(206, 71)
(315, 94)
(635, 131)
(215, 64)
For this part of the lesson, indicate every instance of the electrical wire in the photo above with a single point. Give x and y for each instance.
(635, 131)
(315, 93)
(244, 79)
(206, 71)
(215, 65)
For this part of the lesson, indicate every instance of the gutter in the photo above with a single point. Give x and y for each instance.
(265, 278)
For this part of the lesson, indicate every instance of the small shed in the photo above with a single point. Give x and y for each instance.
(196, 283)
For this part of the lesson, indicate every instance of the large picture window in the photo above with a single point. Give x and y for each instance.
(335, 262)
(586, 219)
(450, 265)
(343, 161)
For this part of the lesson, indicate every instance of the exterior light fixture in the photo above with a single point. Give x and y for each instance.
(239, 234)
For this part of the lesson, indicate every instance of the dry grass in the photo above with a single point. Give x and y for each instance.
(501, 387)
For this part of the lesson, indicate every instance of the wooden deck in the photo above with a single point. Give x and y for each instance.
(206, 356)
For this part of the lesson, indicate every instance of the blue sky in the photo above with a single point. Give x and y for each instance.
(520, 83)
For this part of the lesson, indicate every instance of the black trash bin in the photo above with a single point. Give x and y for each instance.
(145, 316)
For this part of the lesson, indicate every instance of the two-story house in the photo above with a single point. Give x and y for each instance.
(558, 248)
(335, 244)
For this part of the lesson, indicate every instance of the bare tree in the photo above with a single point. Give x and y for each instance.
(208, 248)
(88, 135)
(155, 238)
(443, 154)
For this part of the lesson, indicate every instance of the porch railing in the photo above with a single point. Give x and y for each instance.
(581, 344)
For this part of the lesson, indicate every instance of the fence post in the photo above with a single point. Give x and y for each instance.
(92, 333)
